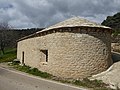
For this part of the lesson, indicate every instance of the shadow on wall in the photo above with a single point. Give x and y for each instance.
(115, 57)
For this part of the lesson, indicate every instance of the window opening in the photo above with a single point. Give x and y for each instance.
(45, 52)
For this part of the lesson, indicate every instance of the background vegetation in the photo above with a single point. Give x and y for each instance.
(8, 56)
(113, 22)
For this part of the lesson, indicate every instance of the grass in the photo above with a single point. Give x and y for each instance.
(33, 71)
(10, 55)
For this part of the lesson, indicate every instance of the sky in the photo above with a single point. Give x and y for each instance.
(43, 13)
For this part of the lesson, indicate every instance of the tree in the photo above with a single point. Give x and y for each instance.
(3, 35)
(113, 22)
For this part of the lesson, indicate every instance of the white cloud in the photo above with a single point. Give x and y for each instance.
(42, 13)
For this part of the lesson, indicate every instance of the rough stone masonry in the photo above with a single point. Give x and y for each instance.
(75, 48)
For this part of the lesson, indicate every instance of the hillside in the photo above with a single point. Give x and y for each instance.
(113, 22)
(9, 37)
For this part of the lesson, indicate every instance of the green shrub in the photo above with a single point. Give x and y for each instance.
(36, 72)
(15, 62)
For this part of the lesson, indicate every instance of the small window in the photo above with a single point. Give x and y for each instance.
(45, 55)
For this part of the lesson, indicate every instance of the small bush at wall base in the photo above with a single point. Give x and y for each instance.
(15, 62)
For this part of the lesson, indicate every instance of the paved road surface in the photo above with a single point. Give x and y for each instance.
(12, 80)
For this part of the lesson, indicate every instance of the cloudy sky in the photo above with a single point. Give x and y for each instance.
(43, 13)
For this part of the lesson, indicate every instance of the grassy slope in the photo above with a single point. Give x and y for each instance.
(10, 55)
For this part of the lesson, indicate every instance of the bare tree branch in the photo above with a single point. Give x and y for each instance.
(3, 35)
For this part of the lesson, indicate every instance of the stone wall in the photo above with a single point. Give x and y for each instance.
(72, 52)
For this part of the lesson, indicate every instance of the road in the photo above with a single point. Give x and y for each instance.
(12, 80)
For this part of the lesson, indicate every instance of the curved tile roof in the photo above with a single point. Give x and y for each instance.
(74, 22)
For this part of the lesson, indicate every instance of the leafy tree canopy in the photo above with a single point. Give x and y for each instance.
(112, 21)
